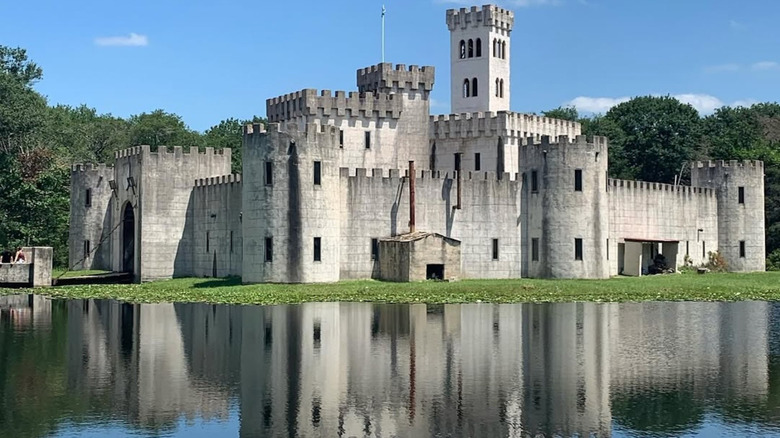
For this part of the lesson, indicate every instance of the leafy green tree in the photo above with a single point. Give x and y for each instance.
(563, 113)
(653, 137)
(82, 135)
(159, 128)
(229, 134)
(14, 62)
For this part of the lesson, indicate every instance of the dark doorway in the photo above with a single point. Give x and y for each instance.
(435, 272)
(128, 239)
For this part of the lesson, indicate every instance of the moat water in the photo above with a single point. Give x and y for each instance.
(104, 369)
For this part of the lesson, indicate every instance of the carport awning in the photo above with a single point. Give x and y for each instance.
(641, 240)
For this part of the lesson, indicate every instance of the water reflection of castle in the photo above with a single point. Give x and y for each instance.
(395, 370)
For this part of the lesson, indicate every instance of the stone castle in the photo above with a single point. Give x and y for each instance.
(368, 184)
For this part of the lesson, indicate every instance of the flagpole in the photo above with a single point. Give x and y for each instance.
(383, 33)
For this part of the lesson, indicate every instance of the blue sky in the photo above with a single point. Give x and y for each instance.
(211, 60)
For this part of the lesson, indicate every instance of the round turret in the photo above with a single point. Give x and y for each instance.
(739, 187)
(291, 204)
(565, 208)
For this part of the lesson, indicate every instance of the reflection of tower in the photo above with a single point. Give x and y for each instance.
(566, 368)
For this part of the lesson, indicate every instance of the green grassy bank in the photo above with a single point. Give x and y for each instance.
(687, 287)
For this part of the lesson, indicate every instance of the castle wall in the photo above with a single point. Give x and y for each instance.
(557, 216)
(90, 219)
(128, 164)
(217, 247)
(292, 210)
(164, 219)
(663, 212)
(392, 107)
(741, 223)
(495, 136)
(377, 206)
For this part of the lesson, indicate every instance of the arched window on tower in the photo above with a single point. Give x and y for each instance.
(501, 88)
(479, 47)
(466, 87)
(495, 48)
(498, 84)
(471, 48)
(462, 49)
(503, 50)
(474, 87)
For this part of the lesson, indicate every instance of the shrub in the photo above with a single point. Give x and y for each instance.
(716, 262)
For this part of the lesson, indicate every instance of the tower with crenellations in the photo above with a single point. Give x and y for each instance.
(480, 50)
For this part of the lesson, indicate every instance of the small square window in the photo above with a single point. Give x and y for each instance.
(578, 180)
(577, 249)
(741, 195)
(495, 249)
(317, 249)
(742, 249)
(269, 173)
(269, 249)
(317, 173)
(535, 249)
(374, 249)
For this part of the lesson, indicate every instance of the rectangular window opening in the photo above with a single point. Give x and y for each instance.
(341, 139)
(368, 139)
(374, 249)
(577, 249)
(703, 250)
(86, 249)
(742, 249)
(317, 249)
(88, 198)
(495, 249)
(269, 249)
(535, 249)
(607, 249)
(477, 162)
(207, 241)
(741, 195)
(687, 247)
(231, 242)
(318, 173)
(534, 181)
(269, 173)
(578, 180)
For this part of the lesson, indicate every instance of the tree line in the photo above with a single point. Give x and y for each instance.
(651, 139)
(39, 143)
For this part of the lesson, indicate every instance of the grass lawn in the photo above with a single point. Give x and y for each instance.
(673, 287)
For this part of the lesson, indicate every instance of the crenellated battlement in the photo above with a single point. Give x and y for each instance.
(218, 180)
(488, 15)
(658, 187)
(386, 79)
(310, 102)
(748, 164)
(90, 167)
(503, 123)
(566, 141)
(169, 150)
(397, 174)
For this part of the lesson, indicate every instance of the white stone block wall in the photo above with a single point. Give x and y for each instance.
(217, 219)
(90, 222)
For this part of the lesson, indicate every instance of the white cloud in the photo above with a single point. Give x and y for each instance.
(134, 40)
(766, 65)
(595, 105)
(703, 103)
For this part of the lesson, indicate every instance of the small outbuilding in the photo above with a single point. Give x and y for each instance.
(419, 256)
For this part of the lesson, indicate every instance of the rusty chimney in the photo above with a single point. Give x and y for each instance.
(412, 177)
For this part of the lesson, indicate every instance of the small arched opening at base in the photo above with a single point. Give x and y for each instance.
(128, 239)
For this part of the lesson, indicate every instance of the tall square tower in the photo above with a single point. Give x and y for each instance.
(479, 58)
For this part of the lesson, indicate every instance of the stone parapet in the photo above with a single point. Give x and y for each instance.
(310, 102)
(488, 15)
(503, 123)
(384, 78)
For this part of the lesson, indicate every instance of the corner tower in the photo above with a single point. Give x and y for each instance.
(479, 58)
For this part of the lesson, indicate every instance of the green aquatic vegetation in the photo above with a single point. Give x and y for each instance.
(677, 287)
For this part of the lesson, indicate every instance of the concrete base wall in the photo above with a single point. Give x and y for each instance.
(217, 232)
